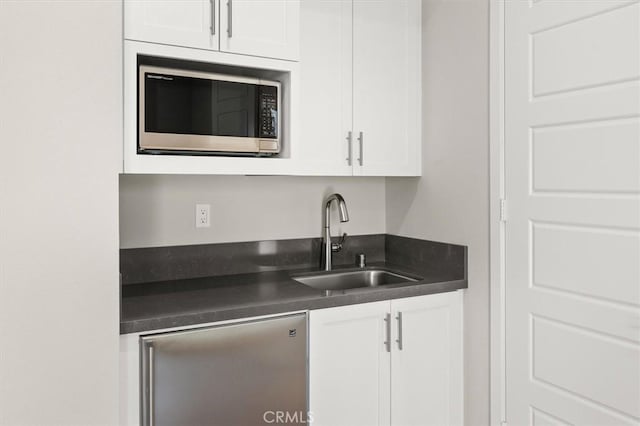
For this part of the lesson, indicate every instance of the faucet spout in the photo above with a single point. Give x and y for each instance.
(342, 209)
(330, 247)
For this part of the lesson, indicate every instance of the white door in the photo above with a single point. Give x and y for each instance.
(387, 87)
(349, 365)
(190, 23)
(268, 28)
(426, 360)
(326, 85)
(572, 152)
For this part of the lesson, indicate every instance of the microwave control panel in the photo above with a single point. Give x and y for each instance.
(268, 112)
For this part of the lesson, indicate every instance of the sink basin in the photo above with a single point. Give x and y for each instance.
(353, 279)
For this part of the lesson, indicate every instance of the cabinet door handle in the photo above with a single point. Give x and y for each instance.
(399, 339)
(230, 18)
(350, 142)
(387, 343)
(213, 16)
(361, 143)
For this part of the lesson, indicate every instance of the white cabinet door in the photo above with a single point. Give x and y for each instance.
(356, 379)
(326, 85)
(349, 365)
(387, 87)
(190, 23)
(426, 361)
(267, 28)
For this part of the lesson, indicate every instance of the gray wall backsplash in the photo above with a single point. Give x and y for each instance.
(159, 210)
(428, 258)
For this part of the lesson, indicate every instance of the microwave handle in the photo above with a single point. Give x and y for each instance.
(230, 18)
(361, 143)
(213, 16)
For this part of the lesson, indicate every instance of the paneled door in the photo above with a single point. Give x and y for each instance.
(572, 155)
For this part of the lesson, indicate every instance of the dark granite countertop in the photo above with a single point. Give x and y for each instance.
(181, 302)
(177, 286)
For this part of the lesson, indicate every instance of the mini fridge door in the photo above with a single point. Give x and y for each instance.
(249, 373)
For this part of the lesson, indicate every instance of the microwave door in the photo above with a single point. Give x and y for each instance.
(183, 113)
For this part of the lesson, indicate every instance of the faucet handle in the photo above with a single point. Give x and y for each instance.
(336, 247)
(342, 238)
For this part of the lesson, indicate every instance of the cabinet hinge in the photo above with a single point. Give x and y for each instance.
(503, 215)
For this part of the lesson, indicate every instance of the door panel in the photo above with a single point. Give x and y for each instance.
(426, 381)
(181, 23)
(572, 102)
(387, 86)
(349, 366)
(601, 156)
(575, 55)
(563, 353)
(268, 28)
(567, 406)
(326, 87)
(588, 256)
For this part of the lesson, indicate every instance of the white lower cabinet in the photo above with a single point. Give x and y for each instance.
(394, 363)
(349, 366)
(426, 373)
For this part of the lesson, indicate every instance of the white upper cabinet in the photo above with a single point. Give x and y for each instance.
(326, 88)
(260, 27)
(352, 104)
(360, 87)
(267, 28)
(191, 23)
(387, 87)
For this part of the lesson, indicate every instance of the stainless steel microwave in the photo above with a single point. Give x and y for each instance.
(192, 112)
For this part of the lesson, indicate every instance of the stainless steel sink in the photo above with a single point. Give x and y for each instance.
(353, 279)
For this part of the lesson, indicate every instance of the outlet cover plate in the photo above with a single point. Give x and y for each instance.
(203, 215)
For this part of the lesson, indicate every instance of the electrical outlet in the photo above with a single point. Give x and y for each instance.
(203, 212)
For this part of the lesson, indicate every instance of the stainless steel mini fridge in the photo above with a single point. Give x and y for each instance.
(248, 373)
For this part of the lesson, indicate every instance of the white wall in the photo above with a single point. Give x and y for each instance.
(61, 132)
(450, 202)
(159, 210)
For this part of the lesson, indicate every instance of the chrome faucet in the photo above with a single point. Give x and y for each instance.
(329, 247)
